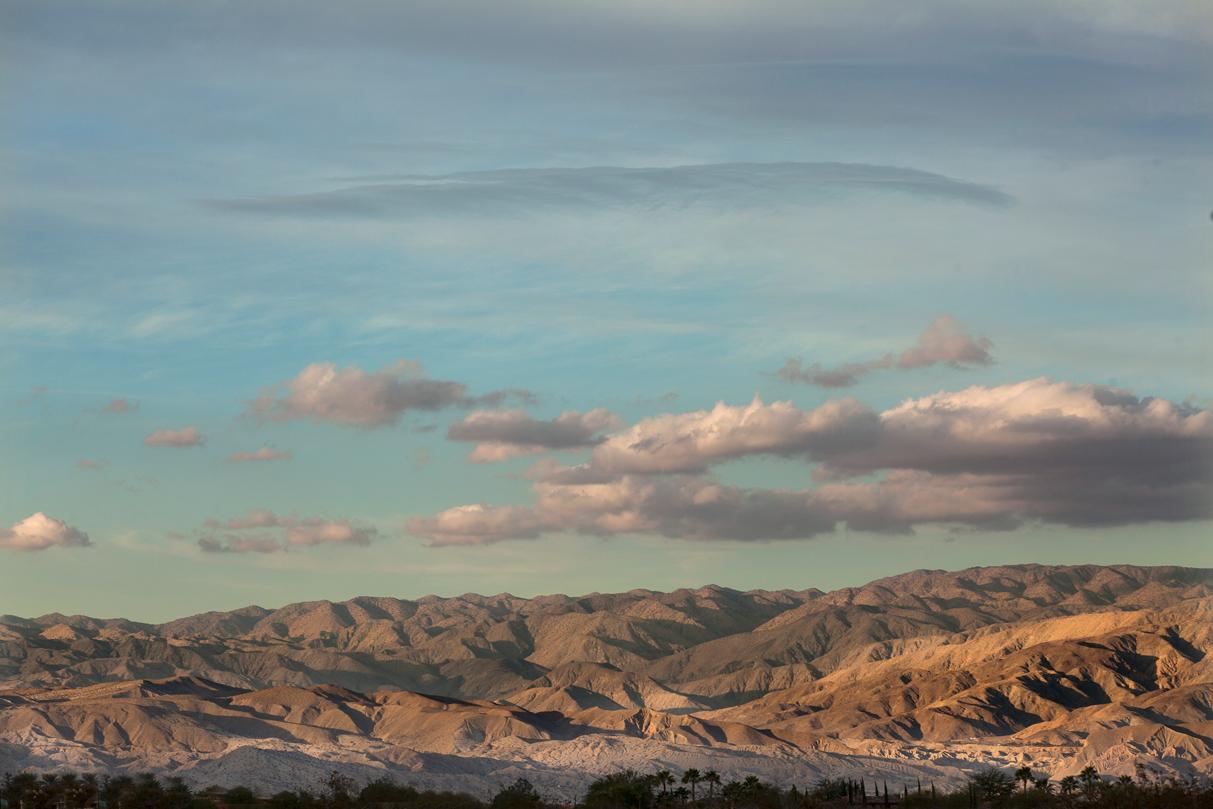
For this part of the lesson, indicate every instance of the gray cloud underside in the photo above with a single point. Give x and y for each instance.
(608, 33)
(265, 532)
(504, 434)
(724, 185)
(994, 458)
(566, 431)
(324, 392)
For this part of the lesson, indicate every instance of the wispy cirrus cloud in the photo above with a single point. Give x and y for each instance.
(987, 457)
(38, 532)
(943, 342)
(262, 531)
(184, 437)
(368, 399)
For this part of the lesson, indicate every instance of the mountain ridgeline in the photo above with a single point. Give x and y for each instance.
(1060, 667)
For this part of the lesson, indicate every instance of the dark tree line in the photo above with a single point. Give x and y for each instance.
(989, 789)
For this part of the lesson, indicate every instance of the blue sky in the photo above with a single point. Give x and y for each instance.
(610, 207)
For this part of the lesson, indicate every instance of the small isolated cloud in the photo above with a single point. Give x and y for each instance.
(262, 454)
(38, 532)
(509, 433)
(157, 323)
(90, 464)
(351, 396)
(984, 457)
(262, 531)
(185, 437)
(121, 405)
(943, 342)
(479, 524)
(669, 397)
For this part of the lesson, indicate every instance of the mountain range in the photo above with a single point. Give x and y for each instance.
(919, 676)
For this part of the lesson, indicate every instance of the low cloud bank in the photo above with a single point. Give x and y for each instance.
(983, 457)
(262, 531)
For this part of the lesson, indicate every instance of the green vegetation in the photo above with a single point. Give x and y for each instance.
(989, 789)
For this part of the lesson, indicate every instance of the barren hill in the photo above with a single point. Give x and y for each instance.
(919, 674)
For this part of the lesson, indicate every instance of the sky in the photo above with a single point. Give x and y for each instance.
(303, 300)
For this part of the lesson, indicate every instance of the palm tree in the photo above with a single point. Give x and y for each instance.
(711, 778)
(69, 785)
(1090, 781)
(692, 777)
(731, 792)
(1024, 775)
(664, 779)
(1068, 785)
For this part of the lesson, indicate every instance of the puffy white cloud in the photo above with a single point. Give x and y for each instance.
(351, 396)
(262, 531)
(261, 454)
(478, 524)
(1037, 426)
(185, 437)
(39, 531)
(691, 442)
(943, 342)
(505, 434)
(986, 457)
(324, 392)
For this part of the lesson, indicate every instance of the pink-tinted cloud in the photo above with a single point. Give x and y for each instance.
(259, 455)
(121, 405)
(185, 437)
(351, 396)
(691, 442)
(479, 524)
(501, 434)
(262, 531)
(943, 342)
(38, 532)
(985, 457)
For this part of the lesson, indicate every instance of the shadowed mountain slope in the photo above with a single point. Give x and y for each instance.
(1053, 666)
